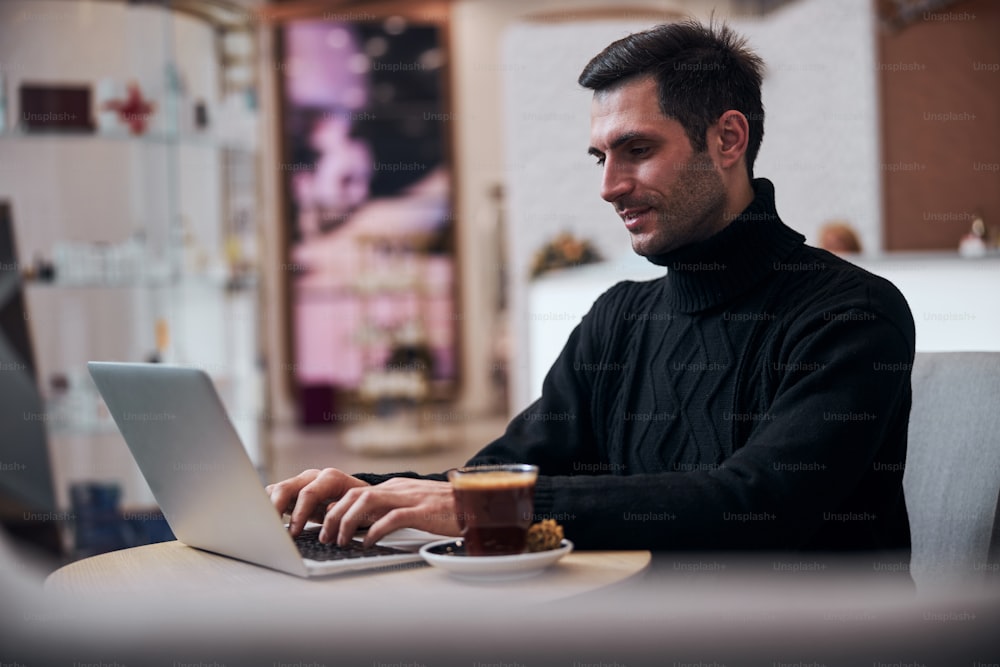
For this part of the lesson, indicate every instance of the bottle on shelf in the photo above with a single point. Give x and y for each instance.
(108, 90)
(164, 353)
(175, 92)
(974, 243)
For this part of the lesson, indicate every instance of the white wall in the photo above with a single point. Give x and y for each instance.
(820, 144)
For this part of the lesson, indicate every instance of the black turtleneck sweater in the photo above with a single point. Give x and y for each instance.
(755, 397)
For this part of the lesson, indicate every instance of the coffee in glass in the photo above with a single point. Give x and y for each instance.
(495, 507)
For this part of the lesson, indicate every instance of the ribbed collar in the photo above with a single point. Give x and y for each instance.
(709, 273)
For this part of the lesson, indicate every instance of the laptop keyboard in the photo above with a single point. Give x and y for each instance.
(310, 547)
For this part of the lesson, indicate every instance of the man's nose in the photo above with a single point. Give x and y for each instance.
(615, 182)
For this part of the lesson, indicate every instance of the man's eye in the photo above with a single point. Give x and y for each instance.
(600, 162)
(639, 150)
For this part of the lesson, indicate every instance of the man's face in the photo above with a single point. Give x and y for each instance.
(667, 195)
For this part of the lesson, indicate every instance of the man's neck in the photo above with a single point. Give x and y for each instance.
(708, 273)
(738, 198)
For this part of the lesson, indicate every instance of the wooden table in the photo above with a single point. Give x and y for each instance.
(169, 604)
(175, 570)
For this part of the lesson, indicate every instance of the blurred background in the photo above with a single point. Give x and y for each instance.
(375, 223)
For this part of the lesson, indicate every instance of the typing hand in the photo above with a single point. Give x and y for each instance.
(394, 504)
(308, 495)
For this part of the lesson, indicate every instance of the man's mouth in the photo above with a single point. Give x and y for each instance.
(633, 217)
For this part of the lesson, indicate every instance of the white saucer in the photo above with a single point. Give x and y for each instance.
(449, 555)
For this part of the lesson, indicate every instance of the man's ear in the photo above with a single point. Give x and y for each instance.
(728, 138)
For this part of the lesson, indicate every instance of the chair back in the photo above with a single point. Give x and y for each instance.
(952, 477)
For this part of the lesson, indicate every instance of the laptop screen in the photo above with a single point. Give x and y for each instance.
(26, 489)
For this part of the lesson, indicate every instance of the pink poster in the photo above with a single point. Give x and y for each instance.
(371, 264)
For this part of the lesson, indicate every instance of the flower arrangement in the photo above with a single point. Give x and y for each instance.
(563, 251)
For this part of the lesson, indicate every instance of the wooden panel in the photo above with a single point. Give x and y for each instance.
(940, 92)
(353, 10)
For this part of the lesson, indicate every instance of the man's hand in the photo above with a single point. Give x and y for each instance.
(397, 503)
(343, 504)
(308, 495)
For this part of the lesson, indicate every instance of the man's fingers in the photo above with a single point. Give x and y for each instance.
(332, 529)
(366, 510)
(392, 521)
(357, 508)
(325, 484)
(306, 504)
(283, 494)
(425, 505)
(306, 496)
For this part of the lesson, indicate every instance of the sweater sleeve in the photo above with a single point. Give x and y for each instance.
(832, 415)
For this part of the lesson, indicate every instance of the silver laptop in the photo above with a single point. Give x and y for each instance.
(198, 470)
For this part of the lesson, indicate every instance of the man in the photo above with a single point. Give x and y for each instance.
(755, 397)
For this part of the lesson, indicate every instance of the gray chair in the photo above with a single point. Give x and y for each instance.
(952, 477)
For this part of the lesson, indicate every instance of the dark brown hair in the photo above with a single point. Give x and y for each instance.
(701, 72)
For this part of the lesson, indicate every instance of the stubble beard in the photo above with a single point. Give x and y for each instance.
(692, 211)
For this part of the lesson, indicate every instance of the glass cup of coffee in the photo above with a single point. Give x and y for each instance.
(495, 506)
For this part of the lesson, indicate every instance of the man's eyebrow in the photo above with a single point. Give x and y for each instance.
(618, 141)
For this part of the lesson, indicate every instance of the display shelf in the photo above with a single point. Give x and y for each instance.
(243, 281)
(131, 245)
(196, 140)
